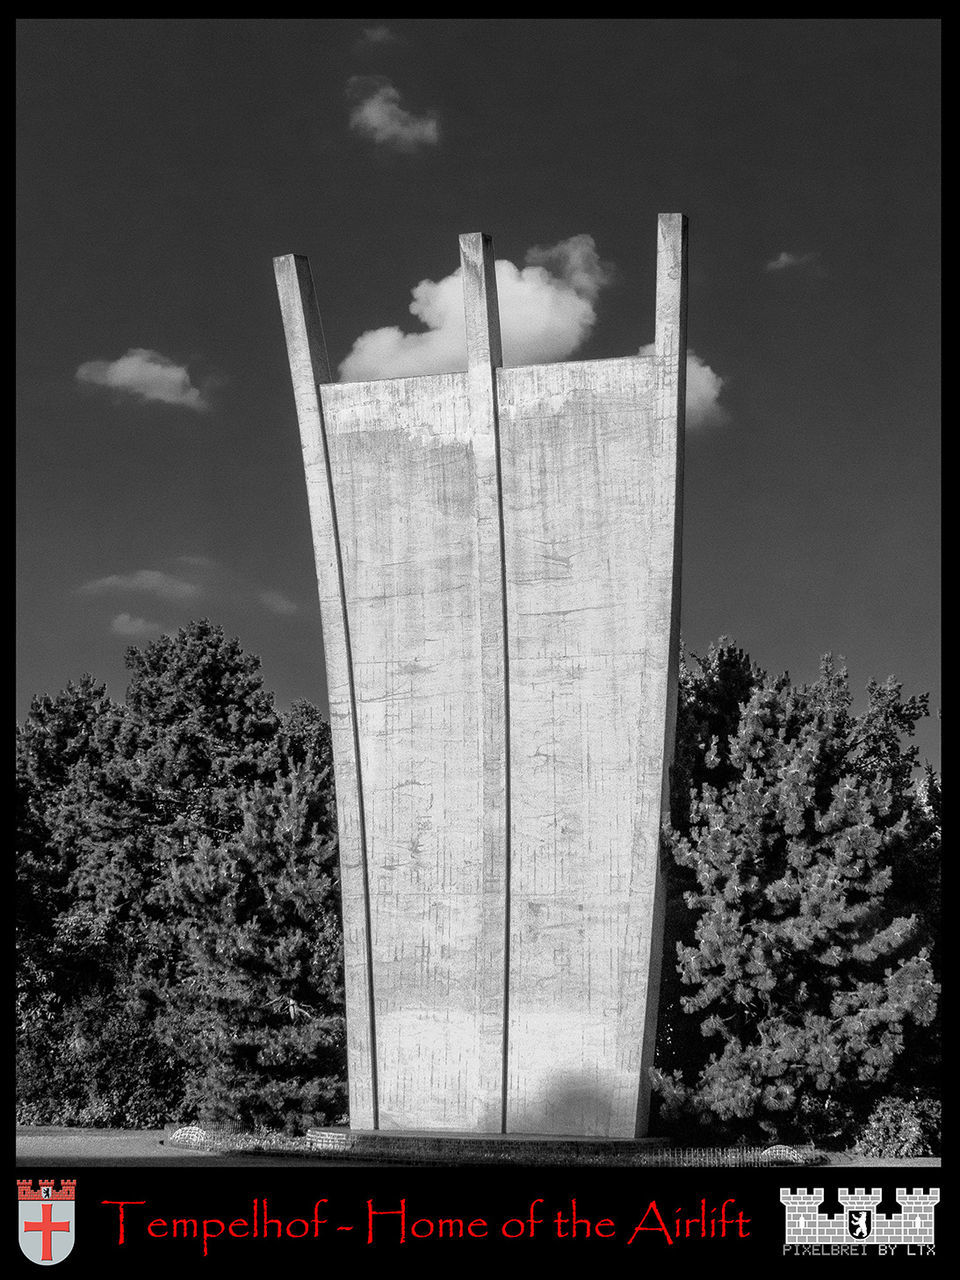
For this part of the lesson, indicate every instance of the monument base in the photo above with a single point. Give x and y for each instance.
(431, 1147)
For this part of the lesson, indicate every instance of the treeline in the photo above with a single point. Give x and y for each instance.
(178, 928)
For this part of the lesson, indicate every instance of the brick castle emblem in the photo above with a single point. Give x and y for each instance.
(860, 1222)
(47, 1225)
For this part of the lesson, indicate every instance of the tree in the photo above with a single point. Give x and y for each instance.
(63, 751)
(712, 691)
(262, 987)
(84, 1051)
(805, 979)
(123, 810)
(199, 727)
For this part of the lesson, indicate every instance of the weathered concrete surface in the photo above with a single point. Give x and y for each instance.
(498, 560)
(408, 484)
(589, 567)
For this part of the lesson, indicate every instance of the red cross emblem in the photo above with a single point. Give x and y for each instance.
(46, 1219)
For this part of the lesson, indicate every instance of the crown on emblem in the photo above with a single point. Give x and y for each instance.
(45, 1189)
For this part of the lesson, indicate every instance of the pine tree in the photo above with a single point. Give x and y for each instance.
(711, 694)
(262, 990)
(199, 728)
(805, 980)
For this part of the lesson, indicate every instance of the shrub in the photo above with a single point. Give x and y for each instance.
(901, 1128)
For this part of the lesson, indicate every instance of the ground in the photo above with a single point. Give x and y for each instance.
(50, 1145)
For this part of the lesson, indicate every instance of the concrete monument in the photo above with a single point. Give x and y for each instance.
(498, 557)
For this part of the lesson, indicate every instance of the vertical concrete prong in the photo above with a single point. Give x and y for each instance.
(671, 349)
(484, 358)
(301, 314)
(670, 395)
(480, 301)
(671, 337)
(309, 371)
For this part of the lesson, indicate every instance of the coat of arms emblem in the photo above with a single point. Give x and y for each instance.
(47, 1219)
(859, 1223)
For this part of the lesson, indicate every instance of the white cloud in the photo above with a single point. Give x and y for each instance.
(377, 35)
(124, 624)
(146, 375)
(379, 115)
(277, 602)
(546, 312)
(152, 582)
(576, 262)
(201, 578)
(703, 408)
(703, 394)
(785, 261)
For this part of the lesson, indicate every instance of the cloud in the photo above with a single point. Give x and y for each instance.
(784, 261)
(379, 115)
(546, 312)
(152, 582)
(198, 562)
(703, 408)
(703, 394)
(574, 261)
(146, 375)
(277, 602)
(376, 36)
(198, 577)
(124, 624)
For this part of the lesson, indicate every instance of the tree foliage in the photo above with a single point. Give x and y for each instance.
(264, 991)
(177, 882)
(804, 960)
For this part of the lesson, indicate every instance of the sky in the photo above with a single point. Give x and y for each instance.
(163, 163)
